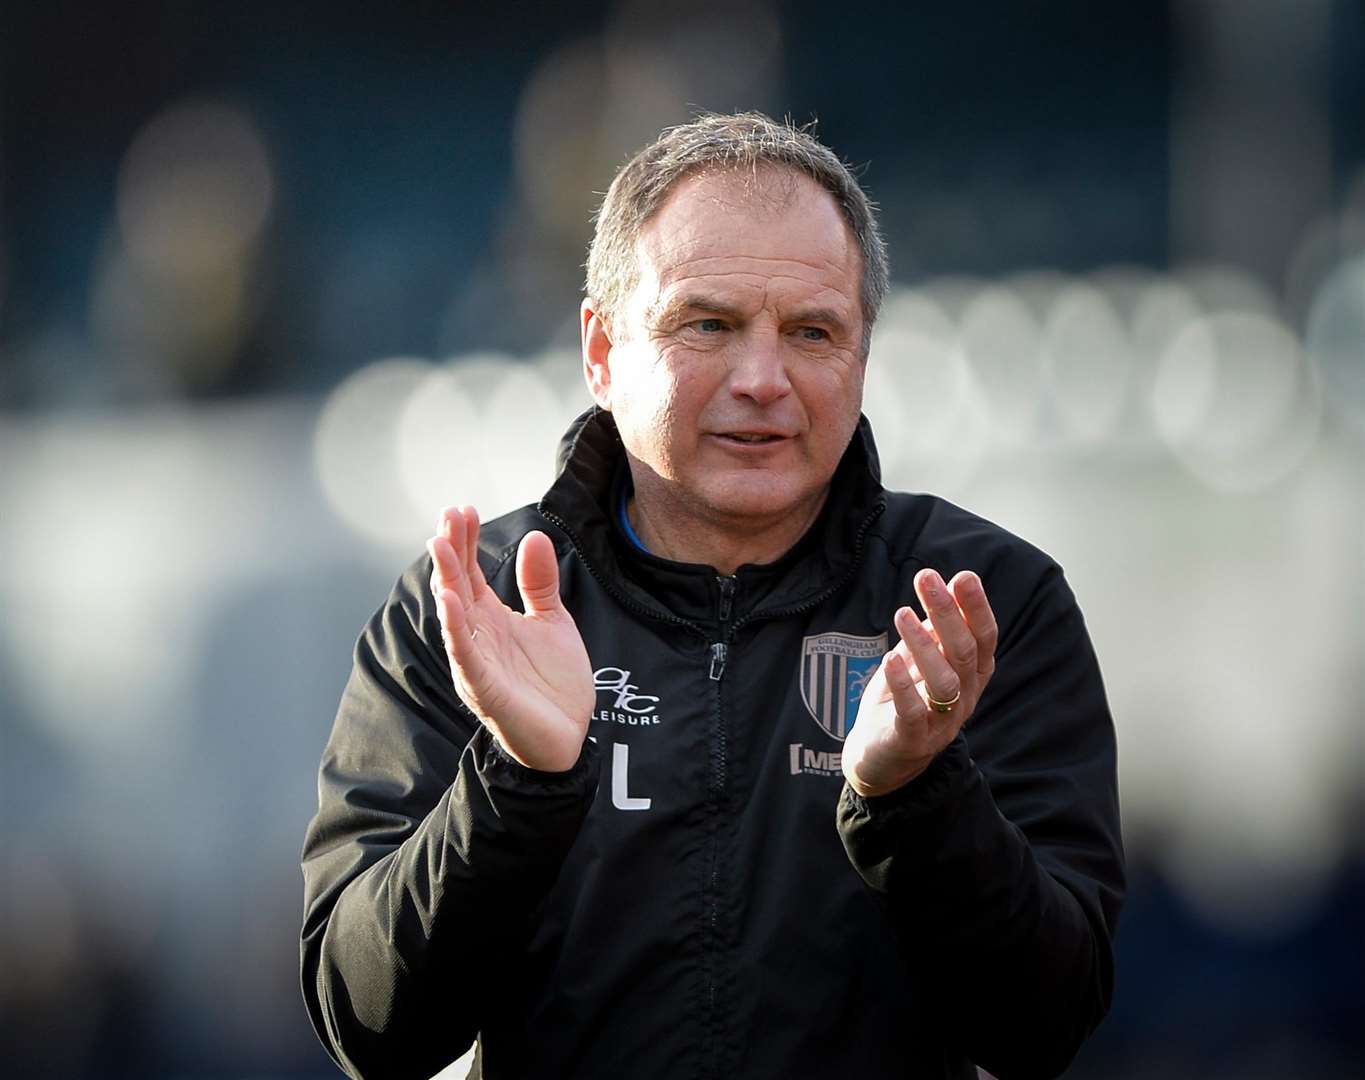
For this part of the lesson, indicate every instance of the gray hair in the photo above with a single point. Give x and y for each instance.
(739, 142)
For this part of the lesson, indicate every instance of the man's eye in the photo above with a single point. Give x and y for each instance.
(709, 326)
(814, 333)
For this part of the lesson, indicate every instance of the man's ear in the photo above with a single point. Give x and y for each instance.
(596, 337)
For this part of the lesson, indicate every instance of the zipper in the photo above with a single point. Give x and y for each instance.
(727, 597)
(720, 650)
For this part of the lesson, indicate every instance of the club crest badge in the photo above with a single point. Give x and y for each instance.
(835, 669)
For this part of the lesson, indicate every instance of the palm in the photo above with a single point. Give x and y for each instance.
(885, 753)
(535, 686)
(525, 676)
(947, 660)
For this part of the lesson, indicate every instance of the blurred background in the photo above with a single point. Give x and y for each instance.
(274, 281)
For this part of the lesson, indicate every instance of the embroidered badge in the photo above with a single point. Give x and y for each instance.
(835, 669)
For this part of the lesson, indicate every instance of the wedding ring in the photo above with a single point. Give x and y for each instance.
(943, 706)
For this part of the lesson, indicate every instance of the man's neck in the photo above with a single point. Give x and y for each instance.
(723, 545)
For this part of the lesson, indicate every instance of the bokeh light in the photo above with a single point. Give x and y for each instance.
(522, 423)
(1237, 400)
(562, 150)
(1162, 311)
(1327, 243)
(169, 332)
(1088, 362)
(171, 296)
(1002, 342)
(1220, 287)
(1336, 337)
(1123, 285)
(1038, 289)
(443, 458)
(356, 447)
(195, 189)
(100, 647)
(921, 397)
(402, 438)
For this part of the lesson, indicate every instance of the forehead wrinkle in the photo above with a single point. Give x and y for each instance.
(694, 264)
(796, 274)
(800, 288)
(738, 297)
(697, 242)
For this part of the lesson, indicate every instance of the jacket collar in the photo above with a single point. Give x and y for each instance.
(582, 502)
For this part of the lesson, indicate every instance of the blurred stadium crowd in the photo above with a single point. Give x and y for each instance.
(274, 284)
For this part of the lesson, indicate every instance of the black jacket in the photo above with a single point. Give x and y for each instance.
(720, 905)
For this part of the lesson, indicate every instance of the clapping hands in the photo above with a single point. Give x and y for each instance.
(525, 676)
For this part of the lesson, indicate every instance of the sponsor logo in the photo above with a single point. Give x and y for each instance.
(628, 706)
(815, 762)
(835, 669)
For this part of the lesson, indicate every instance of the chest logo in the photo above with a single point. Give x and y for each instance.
(628, 706)
(835, 669)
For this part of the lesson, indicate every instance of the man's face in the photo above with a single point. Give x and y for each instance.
(734, 370)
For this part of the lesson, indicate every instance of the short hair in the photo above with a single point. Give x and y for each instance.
(737, 142)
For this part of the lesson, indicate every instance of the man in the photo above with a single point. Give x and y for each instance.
(714, 597)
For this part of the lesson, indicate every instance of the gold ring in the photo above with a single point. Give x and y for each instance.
(943, 706)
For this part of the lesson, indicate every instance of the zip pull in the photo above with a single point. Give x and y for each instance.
(727, 596)
(718, 653)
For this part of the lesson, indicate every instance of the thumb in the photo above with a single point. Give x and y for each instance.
(538, 574)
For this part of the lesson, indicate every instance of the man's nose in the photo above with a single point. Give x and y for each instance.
(759, 370)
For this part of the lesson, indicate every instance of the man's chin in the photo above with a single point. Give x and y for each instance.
(757, 500)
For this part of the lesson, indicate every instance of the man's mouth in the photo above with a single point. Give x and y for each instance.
(750, 437)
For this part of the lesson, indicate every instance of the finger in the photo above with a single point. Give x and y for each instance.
(912, 714)
(471, 551)
(970, 594)
(450, 524)
(459, 525)
(941, 681)
(950, 628)
(466, 658)
(538, 575)
(455, 529)
(450, 528)
(447, 572)
(915, 672)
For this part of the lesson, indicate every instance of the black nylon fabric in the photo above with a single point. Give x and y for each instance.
(701, 896)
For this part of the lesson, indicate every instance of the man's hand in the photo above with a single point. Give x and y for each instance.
(527, 677)
(949, 657)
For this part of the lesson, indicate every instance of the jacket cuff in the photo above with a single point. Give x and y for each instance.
(927, 793)
(494, 761)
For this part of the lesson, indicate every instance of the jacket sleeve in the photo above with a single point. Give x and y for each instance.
(429, 853)
(1002, 861)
